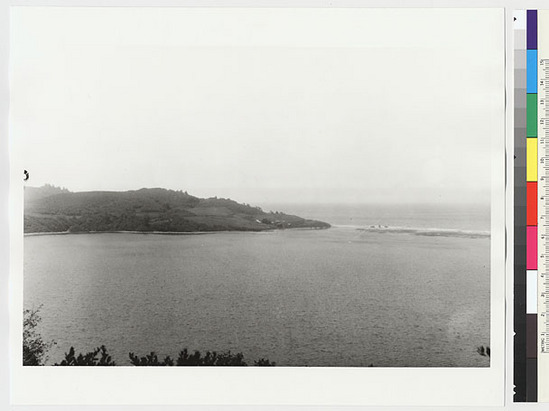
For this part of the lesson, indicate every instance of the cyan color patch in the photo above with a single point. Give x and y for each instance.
(531, 71)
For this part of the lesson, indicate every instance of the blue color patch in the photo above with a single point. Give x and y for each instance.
(531, 71)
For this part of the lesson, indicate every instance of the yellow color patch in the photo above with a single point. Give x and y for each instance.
(531, 159)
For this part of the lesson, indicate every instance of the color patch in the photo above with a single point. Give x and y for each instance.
(532, 292)
(532, 29)
(531, 335)
(531, 71)
(532, 159)
(532, 203)
(531, 115)
(532, 248)
(531, 374)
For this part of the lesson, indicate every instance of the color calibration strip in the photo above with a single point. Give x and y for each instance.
(531, 209)
(520, 210)
(531, 204)
(526, 206)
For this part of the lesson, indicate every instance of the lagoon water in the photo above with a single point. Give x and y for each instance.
(337, 297)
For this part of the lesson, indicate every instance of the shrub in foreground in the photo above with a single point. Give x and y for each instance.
(484, 351)
(88, 359)
(185, 358)
(100, 357)
(34, 347)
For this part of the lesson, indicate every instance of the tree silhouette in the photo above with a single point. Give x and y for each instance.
(484, 351)
(34, 347)
(88, 359)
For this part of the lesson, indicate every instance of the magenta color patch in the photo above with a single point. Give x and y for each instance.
(532, 248)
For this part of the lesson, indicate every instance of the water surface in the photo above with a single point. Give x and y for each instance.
(336, 297)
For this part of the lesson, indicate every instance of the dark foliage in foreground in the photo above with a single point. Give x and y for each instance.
(34, 347)
(484, 351)
(100, 357)
(193, 359)
(263, 362)
(150, 360)
(88, 359)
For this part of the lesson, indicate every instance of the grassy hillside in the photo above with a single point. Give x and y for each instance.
(48, 209)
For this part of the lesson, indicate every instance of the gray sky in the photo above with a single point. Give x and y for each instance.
(286, 106)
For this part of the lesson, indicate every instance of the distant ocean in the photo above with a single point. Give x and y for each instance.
(415, 216)
(346, 296)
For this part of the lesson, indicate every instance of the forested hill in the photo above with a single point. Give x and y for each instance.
(52, 209)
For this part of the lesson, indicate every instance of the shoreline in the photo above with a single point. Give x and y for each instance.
(168, 232)
(136, 232)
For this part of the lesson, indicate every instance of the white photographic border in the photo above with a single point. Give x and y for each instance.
(257, 385)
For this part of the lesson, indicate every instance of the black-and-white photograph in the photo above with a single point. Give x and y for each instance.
(213, 195)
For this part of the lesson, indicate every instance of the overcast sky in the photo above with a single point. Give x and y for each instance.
(261, 106)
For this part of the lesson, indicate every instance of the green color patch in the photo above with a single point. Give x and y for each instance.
(531, 115)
